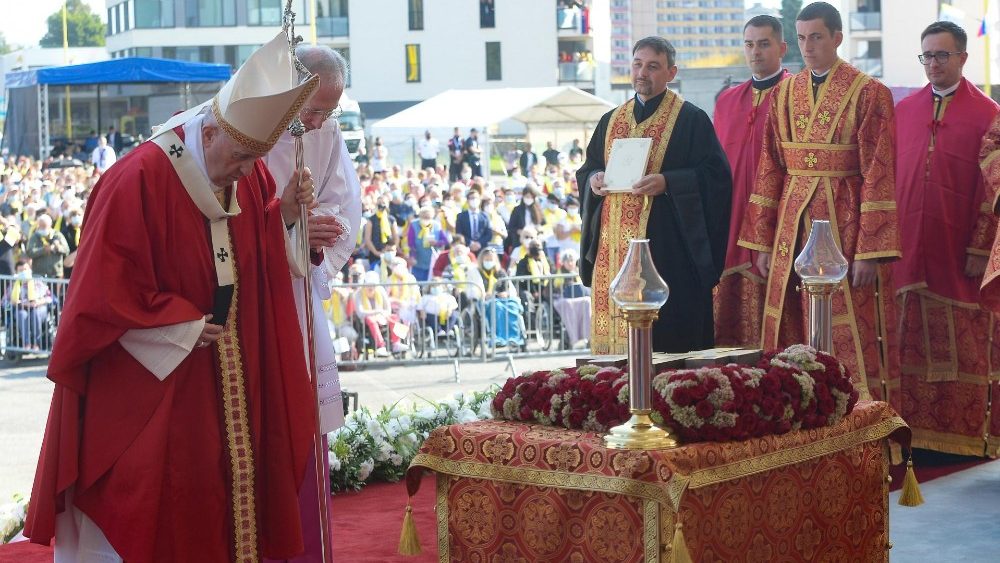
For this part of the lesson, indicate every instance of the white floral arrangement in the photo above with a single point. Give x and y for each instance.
(12, 518)
(380, 446)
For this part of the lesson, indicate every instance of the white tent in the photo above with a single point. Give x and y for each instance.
(505, 111)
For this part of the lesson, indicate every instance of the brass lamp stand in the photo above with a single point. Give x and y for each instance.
(639, 292)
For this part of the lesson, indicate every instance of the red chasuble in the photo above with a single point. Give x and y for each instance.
(151, 460)
(989, 163)
(942, 211)
(946, 341)
(740, 118)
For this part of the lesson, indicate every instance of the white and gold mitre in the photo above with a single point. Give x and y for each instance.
(259, 101)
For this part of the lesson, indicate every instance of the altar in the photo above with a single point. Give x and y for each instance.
(510, 491)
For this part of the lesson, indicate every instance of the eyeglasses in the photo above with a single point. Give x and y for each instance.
(326, 113)
(941, 56)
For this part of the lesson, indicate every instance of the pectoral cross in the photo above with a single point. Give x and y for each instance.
(222, 255)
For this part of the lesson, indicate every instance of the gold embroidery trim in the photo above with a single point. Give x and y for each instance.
(977, 251)
(238, 438)
(546, 478)
(441, 509)
(989, 159)
(764, 201)
(818, 146)
(823, 173)
(985, 207)
(255, 145)
(651, 530)
(790, 456)
(887, 205)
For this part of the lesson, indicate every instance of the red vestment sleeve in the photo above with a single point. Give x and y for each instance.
(878, 236)
(757, 232)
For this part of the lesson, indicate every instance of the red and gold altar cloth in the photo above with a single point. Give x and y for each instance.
(522, 492)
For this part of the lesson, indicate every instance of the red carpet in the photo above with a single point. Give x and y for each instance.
(366, 527)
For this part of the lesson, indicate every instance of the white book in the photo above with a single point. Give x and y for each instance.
(627, 163)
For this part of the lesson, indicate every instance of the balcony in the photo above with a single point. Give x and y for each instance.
(333, 27)
(866, 21)
(570, 21)
(868, 65)
(576, 73)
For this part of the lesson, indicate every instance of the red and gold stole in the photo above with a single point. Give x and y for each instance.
(624, 217)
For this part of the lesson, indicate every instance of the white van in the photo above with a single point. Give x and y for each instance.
(352, 126)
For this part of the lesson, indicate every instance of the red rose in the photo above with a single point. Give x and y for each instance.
(682, 396)
(704, 409)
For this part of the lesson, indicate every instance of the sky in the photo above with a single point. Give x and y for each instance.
(27, 27)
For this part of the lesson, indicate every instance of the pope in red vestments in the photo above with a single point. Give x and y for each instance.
(740, 117)
(828, 155)
(183, 440)
(946, 229)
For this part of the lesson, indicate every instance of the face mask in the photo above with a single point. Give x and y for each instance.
(436, 290)
(24, 274)
(396, 194)
(449, 204)
(573, 211)
(76, 221)
(558, 193)
(528, 201)
(388, 256)
(466, 175)
(511, 199)
(367, 213)
(473, 204)
(462, 259)
(488, 264)
(42, 232)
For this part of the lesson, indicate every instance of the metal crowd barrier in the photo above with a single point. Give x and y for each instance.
(29, 316)
(522, 319)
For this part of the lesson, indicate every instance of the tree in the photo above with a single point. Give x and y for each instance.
(4, 47)
(83, 27)
(789, 10)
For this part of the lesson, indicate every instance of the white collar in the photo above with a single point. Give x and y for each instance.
(821, 74)
(766, 78)
(946, 91)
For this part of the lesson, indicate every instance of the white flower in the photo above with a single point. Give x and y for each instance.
(396, 459)
(334, 461)
(466, 415)
(375, 428)
(365, 469)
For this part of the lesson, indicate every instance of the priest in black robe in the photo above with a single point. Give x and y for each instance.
(681, 205)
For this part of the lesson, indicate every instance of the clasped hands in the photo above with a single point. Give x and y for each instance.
(324, 230)
(648, 185)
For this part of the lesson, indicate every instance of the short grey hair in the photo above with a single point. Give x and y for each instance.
(659, 45)
(325, 62)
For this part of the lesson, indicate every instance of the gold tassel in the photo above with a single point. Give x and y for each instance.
(910, 494)
(409, 543)
(679, 551)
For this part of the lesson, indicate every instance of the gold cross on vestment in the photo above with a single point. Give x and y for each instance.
(824, 117)
(783, 248)
(811, 160)
(801, 122)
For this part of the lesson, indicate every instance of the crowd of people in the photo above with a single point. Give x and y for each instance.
(437, 239)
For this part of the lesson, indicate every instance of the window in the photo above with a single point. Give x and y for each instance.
(493, 68)
(118, 19)
(487, 14)
(144, 51)
(412, 62)
(210, 13)
(416, 8)
(236, 55)
(110, 19)
(169, 53)
(153, 13)
(128, 24)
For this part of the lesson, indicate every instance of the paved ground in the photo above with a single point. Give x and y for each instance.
(25, 394)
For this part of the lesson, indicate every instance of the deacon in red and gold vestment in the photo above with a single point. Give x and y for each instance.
(989, 163)
(947, 345)
(828, 154)
(740, 117)
(173, 435)
(681, 205)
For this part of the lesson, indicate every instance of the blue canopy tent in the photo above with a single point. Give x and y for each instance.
(26, 130)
